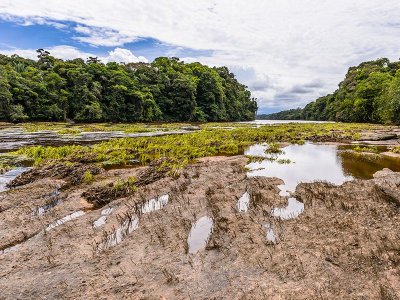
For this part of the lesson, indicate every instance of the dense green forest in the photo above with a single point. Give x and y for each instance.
(291, 114)
(167, 89)
(370, 92)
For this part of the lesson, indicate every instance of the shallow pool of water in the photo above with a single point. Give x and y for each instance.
(243, 203)
(270, 235)
(7, 177)
(311, 162)
(103, 217)
(131, 223)
(292, 210)
(200, 234)
(66, 219)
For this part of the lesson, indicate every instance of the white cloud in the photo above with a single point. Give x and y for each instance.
(101, 36)
(69, 52)
(123, 55)
(289, 42)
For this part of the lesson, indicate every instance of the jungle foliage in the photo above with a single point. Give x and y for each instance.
(370, 93)
(167, 89)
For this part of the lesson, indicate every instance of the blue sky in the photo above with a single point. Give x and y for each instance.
(16, 35)
(288, 52)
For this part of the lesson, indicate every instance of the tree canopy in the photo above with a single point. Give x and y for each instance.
(370, 93)
(167, 89)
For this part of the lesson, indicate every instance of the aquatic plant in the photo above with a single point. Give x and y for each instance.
(396, 150)
(179, 150)
(273, 148)
(369, 149)
(69, 131)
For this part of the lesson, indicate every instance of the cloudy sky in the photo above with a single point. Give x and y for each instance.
(288, 52)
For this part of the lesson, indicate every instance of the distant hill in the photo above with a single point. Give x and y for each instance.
(369, 93)
(291, 114)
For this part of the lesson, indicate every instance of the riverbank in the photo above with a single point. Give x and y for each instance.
(186, 220)
(353, 254)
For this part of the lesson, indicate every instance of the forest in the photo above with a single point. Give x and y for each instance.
(167, 89)
(369, 93)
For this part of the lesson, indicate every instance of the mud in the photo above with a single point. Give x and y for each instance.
(73, 174)
(345, 243)
(103, 194)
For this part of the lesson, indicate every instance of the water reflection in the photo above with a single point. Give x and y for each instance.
(243, 203)
(270, 233)
(363, 166)
(9, 176)
(311, 162)
(200, 234)
(103, 218)
(131, 223)
(66, 219)
(292, 210)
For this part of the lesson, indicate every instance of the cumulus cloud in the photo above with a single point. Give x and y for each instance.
(124, 55)
(290, 42)
(69, 52)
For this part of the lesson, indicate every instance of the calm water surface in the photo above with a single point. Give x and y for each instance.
(311, 162)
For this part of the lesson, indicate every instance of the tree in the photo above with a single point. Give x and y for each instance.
(51, 89)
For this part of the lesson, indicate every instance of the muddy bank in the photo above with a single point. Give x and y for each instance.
(344, 245)
(72, 173)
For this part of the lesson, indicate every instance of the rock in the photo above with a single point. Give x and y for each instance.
(388, 183)
(190, 128)
(378, 137)
(382, 173)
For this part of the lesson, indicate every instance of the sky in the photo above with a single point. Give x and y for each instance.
(288, 52)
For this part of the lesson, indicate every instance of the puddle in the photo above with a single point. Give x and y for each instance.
(270, 233)
(103, 218)
(68, 218)
(314, 162)
(311, 162)
(243, 203)
(292, 210)
(120, 233)
(7, 177)
(132, 222)
(200, 234)
(10, 249)
(154, 204)
(50, 203)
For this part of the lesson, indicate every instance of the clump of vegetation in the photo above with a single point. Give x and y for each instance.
(69, 131)
(396, 150)
(274, 148)
(127, 186)
(370, 149)
(284, 161)
(87, 177)
(255, 158)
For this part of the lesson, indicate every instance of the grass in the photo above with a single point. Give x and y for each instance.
(88, 177)
(396, 150)
(370, 149)
(183, 149)
(65, 128)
